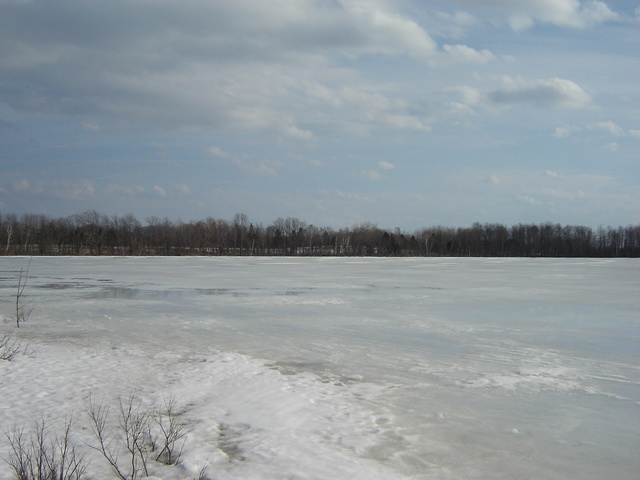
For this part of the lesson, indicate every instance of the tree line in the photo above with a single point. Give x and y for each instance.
(92, 233)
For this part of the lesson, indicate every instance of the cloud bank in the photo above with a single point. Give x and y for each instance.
(330, 110)
(184, 65)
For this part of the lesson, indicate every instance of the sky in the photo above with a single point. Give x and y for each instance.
(403, 113)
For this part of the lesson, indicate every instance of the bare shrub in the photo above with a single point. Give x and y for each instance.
(99, 414)
(9, 346)
(142, 434)
(172, 431)
(41, 456)
(133, 426)
(202, 473)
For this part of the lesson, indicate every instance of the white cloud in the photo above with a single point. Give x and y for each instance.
(554, 92)
(343, 195)
(553, 194)
(593, 13)
(371, 174)
(519, 23)
(402, 121)
(608, 127)
(362, 109)
(379, 30)
(524, 14)
(263, 167)
(455, 25)
(75, 190)
(310, 78)
(26, 186)
(218, 152)
(91, 127)
(566, 131)
(301, 159)
(295, 132)
(461, 108)
(468, 95)
(127, 191)
(161, 192)
(22, 185)
(188, 64)
(529, 200)
(182, 188)
(465, 54)
(513, 91)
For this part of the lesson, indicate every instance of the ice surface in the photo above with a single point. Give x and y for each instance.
(355, 368)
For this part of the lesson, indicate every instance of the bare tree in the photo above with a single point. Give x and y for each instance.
(9, 228)
(22, 313)
(240, 224)
(91, 233)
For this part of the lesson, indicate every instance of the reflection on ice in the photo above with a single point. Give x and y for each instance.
(127, 293)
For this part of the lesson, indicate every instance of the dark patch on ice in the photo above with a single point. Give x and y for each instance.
(294, 368)
(129, 293)
(316, 368)
(402, 287)
(221, 291)
(229, 441)
(295, 291)
(64, 285)
(214, 291)
(146, 293)
(340, 381)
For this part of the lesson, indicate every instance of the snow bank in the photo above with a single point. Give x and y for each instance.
(246, 419)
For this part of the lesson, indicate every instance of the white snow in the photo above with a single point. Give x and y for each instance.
(333, 368)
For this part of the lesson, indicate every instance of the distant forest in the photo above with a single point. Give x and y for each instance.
(92, 233)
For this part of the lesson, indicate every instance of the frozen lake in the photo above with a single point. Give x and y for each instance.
(436, 368)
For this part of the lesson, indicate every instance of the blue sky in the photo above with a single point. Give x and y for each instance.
(401, 113)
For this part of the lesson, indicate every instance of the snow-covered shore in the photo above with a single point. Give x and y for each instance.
(246, 420)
